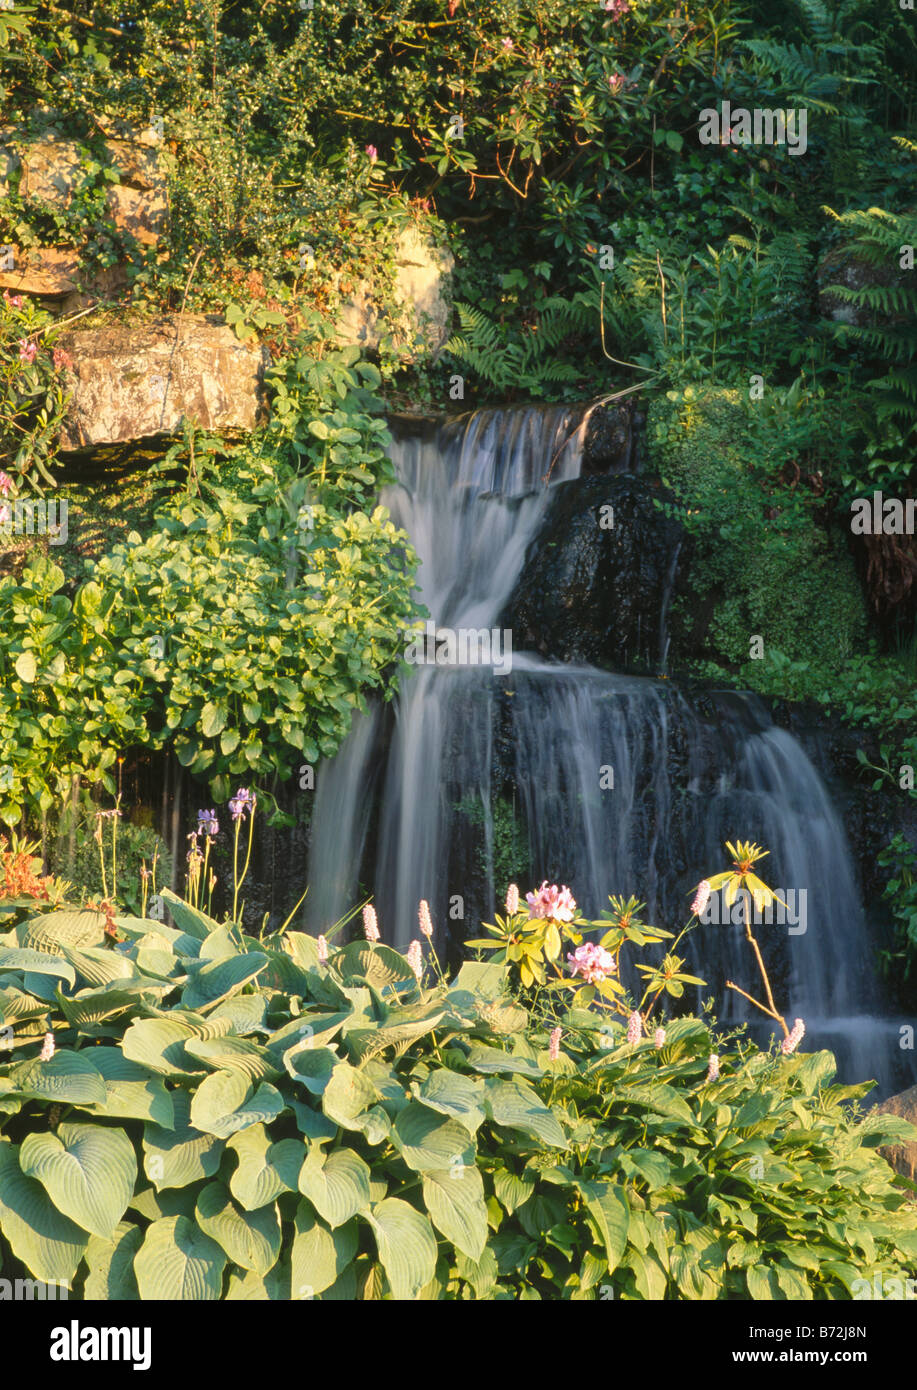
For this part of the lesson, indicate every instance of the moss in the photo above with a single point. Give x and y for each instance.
(765, 563)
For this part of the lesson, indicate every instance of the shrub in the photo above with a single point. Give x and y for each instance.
(218, 1116)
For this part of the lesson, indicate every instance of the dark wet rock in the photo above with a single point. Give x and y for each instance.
(597, 584)
(612, 443)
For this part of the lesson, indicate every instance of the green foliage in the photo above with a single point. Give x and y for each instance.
(33, 396)
(231, 1118)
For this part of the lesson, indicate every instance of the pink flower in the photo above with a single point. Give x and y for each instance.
(61, 359)
(512, 900)
(415, 959)
(322, 945)
(47, 1048)
(556, 903)
(634, 1027)
(5, 514)
(615, 82)
(659, 1038)
(701, 897)
(423, 915)
(507, 43)
(617, 9)
(373, 153)
(6, 483)
(13, 300)
(592, 962)
(370, 925)
(713, 1067)
(27, 350)
(554, 1043)
(797, 1032)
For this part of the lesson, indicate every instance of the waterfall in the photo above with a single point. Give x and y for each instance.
(611, 783)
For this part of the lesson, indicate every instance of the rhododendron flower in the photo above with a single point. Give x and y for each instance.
(634, 1027)
(593, 962)
(797, 1032)
(615, 82)
(13, 300)
(617, 9)
(701, 897)
(554, 1043)
(512, 900)
(373, 153)
(61, 359)
(713, 1067)
(322, 950)
(551, 901)
(415, 959)
(659, 1038)
(5, 515)
(370, 924)
(423, 915)
(6, 483)
(27, 350)
(47, 1048)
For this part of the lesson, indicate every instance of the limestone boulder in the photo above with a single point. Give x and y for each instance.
(136, 382)
(418, 318)
(902, 1157)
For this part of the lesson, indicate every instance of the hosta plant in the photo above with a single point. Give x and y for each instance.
(192, 1113)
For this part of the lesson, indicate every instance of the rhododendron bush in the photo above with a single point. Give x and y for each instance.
(189, 1112)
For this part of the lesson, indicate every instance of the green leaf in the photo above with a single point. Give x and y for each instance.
(110, 1265)
(609, 1210)
(377, 965)
(178, 1261)
(491, 1059)
(455, 1201)
(514, 1105)
(451, 1093)
(226, 1101)
(26, 667)
(319, 1256)
(337, 1185)
(265, 1169)
(251, 1239)
(406, 1244)
(189, 919)
(347, 1095)
(216, 979)
(69, 1078)
(130, 1092)
(159, 1045)
(428, 1143)
(182, 1155)
(37, 963)
(47, 1242)
(235, 1054)
(513, 1190)
(88, 1171)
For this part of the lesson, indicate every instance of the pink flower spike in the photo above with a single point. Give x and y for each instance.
(701, 897)
(797, 1033)
(47, 1048)
(370, 924)
(423, 914)
(512, 900)
(659, 1038)
(634, 1027)
(713, 1067)
(414, 959)
(322, 950)
(554, 1043)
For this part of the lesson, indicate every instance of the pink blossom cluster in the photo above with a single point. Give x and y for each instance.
(554, 1044)
(414, 959)
(634, 1027)
(551, 901)
(593, 962)
(701, 897)
(796, 1035)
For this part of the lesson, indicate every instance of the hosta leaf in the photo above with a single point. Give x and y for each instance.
(47, 1242)
(514, 1105)
(311, 1066)
(347, 1095)
(251, 1239)
(451, 1093)
(130, 1092)
(52, 931)
(99, 967)
(226, 1101)
(88, 1171)
(92, 1007)
(428, 1142)
(368, 1042)
(274, 1286)
(187, 918)
(37, 963)
(512, 1190)
(159, 1044)
(454, 1199)
(319, 1255)
(179, 1261)
(336, 1184)
(110, 1264)
(265, 1169)
(182, 1155)
(377, 965)
(406, 1245)
(216, 979)
(235, 1054)
(69, 1077)
(491, 1059)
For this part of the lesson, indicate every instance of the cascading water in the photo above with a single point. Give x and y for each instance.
(614, 783)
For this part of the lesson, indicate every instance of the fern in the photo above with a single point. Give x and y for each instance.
(526, 362)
